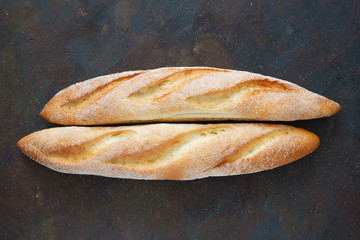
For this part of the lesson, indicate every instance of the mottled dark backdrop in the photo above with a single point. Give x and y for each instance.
(46, 46)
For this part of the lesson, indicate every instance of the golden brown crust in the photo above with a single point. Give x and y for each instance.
(184, 94)
(168, 151)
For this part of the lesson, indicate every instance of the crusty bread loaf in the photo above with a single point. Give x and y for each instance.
(168, 151)
(184, 94)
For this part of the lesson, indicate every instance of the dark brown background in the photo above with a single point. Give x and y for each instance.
(45, 47)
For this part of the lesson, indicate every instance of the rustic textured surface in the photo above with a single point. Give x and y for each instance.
(45, 47)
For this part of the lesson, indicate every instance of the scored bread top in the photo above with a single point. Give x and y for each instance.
(184, 94)
(168, 151)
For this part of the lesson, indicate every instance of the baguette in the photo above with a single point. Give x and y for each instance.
(168, 151)
(184, 94)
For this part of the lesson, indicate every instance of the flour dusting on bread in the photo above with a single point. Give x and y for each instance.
(184, 94)
(168, 151)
